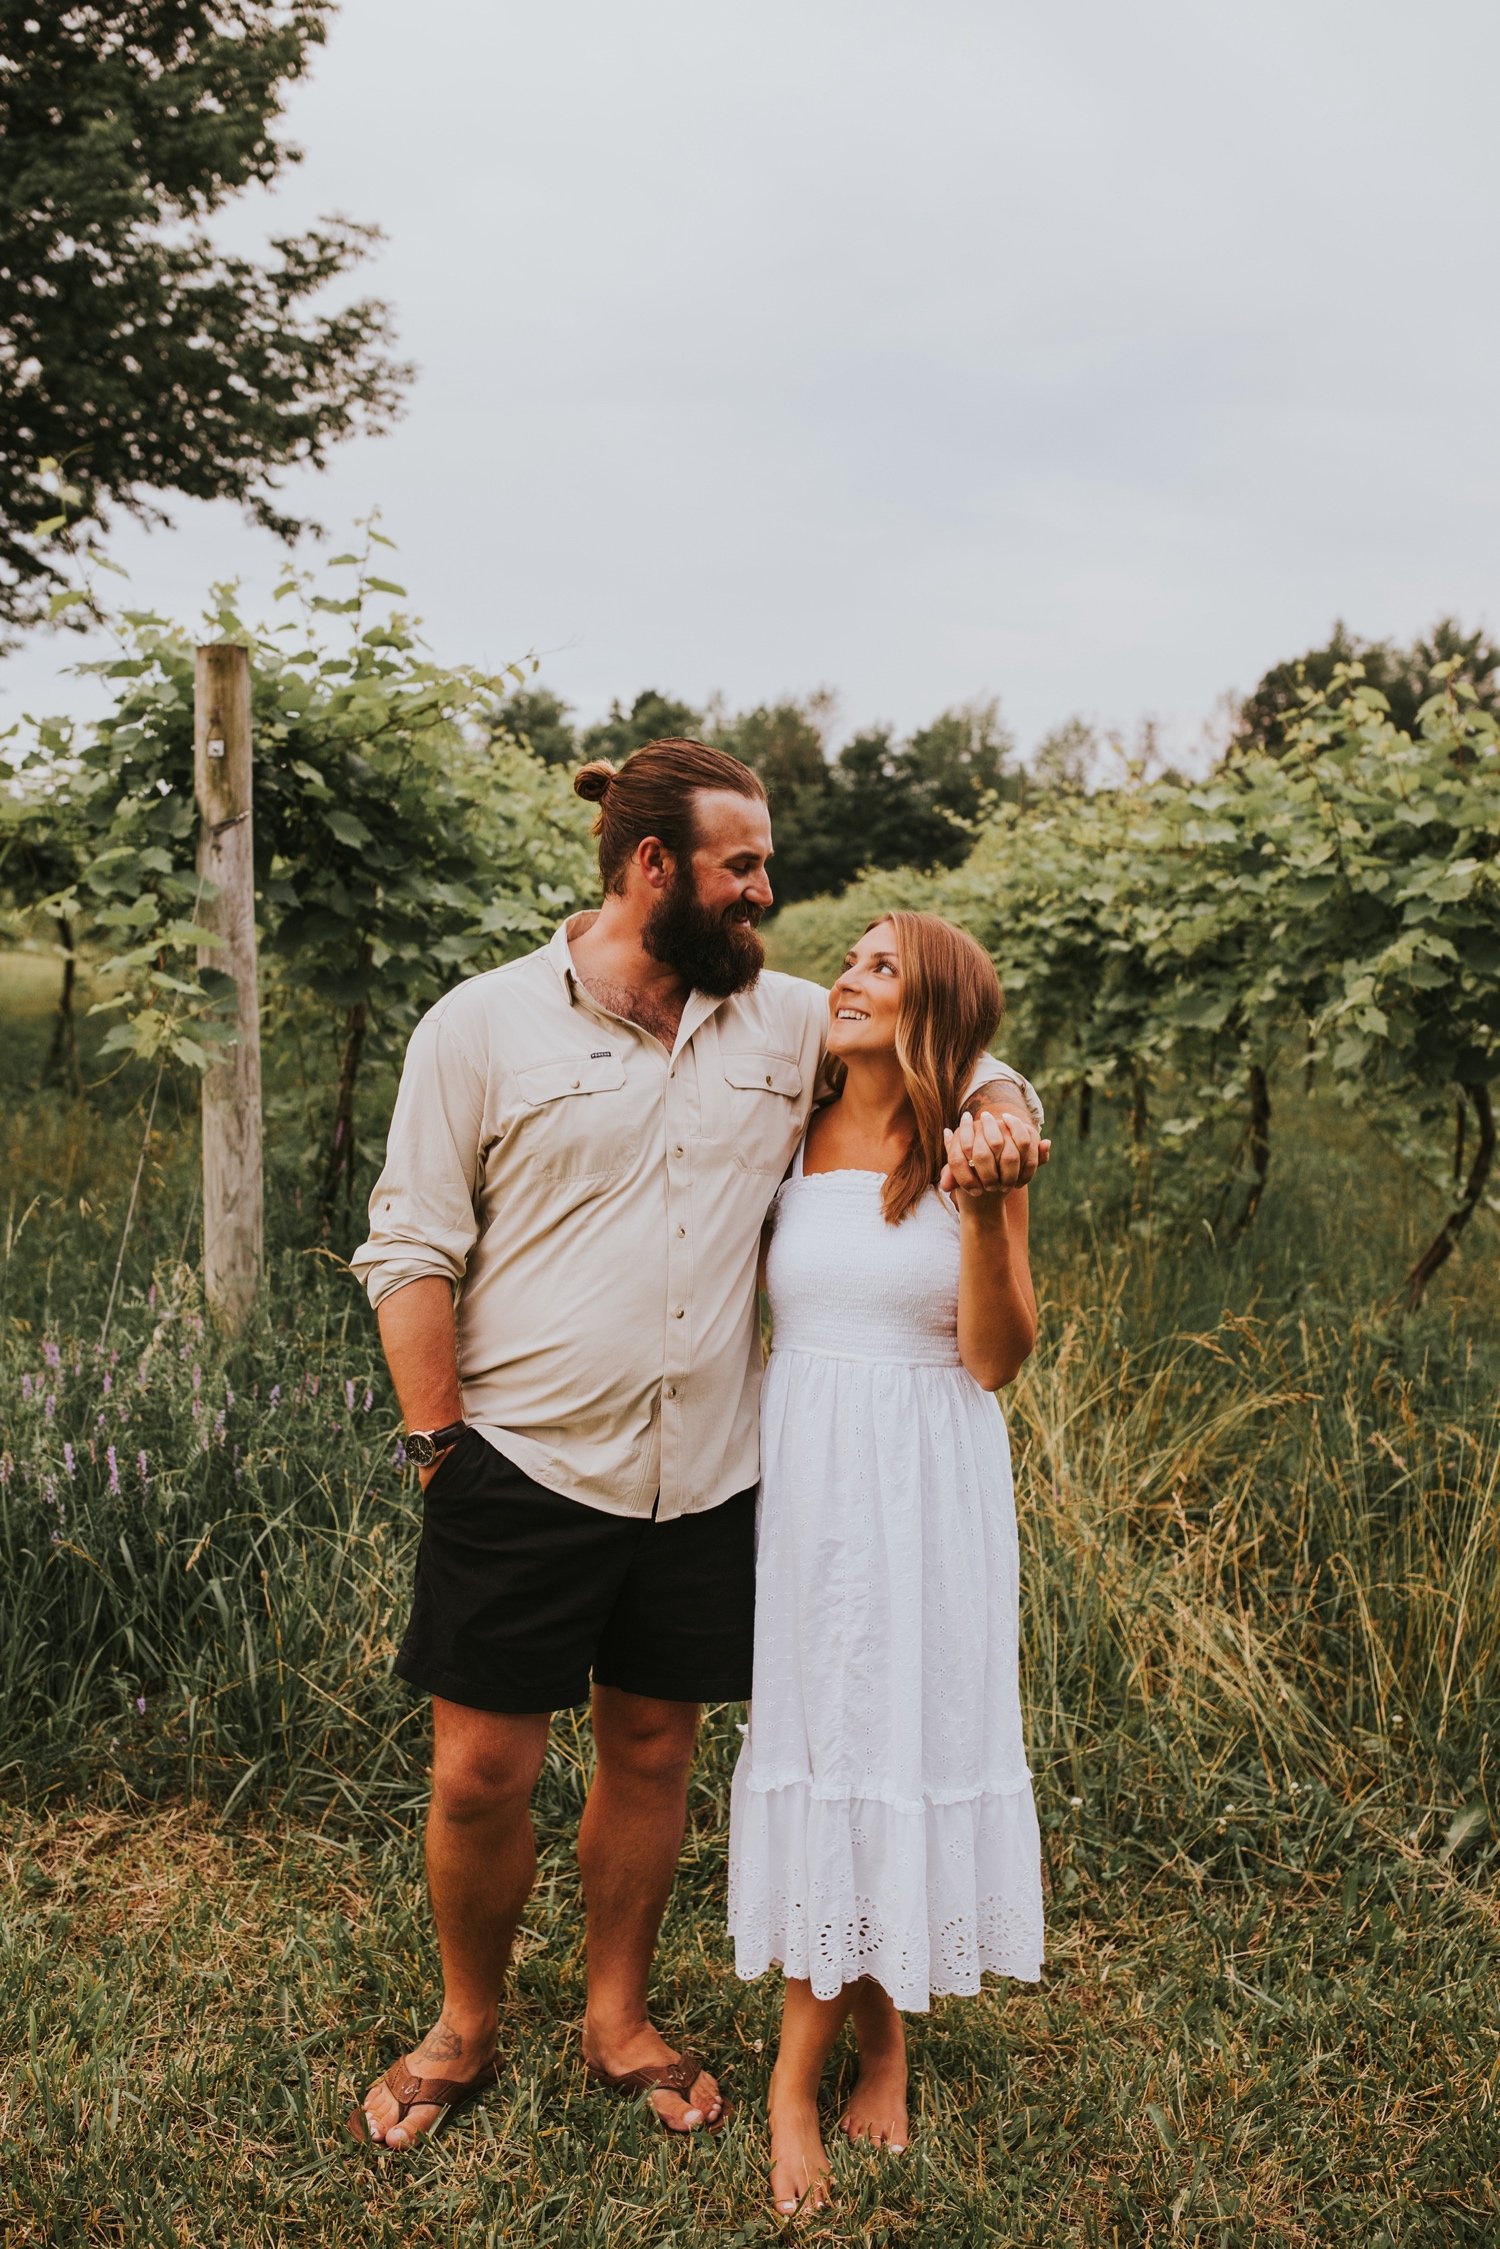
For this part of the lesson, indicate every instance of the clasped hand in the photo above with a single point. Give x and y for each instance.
(991, 1154)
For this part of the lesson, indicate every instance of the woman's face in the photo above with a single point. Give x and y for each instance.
(865, 1001)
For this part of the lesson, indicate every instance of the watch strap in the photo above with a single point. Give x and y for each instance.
(435, 1441)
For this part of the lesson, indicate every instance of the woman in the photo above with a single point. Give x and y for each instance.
(883, 1840)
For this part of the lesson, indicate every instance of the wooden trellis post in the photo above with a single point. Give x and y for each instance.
(233, 1196)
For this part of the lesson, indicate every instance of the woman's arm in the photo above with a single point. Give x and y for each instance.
(996, 1301)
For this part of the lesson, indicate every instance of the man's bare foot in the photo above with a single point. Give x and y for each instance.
(645, 2048)
(799, 2167)
(444, 2052)
(877, 2106)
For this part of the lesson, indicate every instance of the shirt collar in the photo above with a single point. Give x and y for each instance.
(560, 953)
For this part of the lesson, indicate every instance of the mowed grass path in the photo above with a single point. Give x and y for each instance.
(1261, 1549)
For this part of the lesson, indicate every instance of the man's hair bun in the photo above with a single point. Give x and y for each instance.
(592, 781)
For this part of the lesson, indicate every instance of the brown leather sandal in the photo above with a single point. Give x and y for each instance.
(673, 2077)
(446, 2094)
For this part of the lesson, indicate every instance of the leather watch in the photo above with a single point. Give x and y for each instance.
(424, 1445)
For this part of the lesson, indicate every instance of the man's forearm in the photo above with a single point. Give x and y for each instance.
(420, 1336)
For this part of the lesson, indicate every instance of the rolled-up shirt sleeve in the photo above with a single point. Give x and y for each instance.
(987, 1070)
(422, 1216)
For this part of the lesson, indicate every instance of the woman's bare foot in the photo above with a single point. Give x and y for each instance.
(444, 2052)
(799, 2167)
(877, 2106)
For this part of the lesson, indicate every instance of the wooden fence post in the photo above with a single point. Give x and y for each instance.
(233, 1197)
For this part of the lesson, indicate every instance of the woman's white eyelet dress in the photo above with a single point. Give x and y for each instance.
(882, 1821)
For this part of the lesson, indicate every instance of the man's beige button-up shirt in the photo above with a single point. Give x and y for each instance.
(598, 1203)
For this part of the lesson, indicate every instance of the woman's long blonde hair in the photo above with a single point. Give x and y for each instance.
(951, 1005)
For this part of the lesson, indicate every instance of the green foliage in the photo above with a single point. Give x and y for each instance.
(650, 717)
(142, 356)
(395, 849)
(538, 719)
(1342, 895)
(1268, 717)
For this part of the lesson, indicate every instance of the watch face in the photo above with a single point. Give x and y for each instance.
(420, 1449)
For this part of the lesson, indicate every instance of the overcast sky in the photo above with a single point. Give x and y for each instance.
(1092, 355)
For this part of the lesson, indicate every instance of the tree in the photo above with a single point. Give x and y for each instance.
(784, 743)
(1067, 758)
(135, 352)
(649, 718)
(949, 769)
(540, 720)
(1269, 717)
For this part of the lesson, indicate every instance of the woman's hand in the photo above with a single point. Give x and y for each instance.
(990, 1155)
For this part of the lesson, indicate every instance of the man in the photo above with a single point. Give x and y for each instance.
(584, 1147)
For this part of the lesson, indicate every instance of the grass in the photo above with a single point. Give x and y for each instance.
(1262, 1662)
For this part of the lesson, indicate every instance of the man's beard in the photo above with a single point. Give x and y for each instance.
(713, 952)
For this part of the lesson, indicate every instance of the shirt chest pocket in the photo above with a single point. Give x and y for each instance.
(763, 1101)
(574, 1117)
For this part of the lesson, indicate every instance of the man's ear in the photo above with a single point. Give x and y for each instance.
(656, 863)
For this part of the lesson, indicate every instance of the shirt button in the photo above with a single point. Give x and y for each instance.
(680, 1311)
(681, 1231)
(577, 1082)
(677, 1151)
(671, 1389)
(768, 1078)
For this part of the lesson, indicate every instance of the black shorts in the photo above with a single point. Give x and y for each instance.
(522, 1594)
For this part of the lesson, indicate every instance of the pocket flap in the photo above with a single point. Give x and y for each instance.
(572, 1073)
(763, 1073)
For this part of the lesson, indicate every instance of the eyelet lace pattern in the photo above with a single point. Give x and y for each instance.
(882, 1821)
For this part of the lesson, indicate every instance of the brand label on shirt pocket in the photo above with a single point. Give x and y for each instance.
(573, 1073)
(568, 1130)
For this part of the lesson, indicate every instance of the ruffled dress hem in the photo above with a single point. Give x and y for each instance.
(924, 1899)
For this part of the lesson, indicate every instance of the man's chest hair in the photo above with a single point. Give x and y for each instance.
(660, 1019)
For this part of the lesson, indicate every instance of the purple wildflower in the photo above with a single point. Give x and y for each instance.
(140, 1461)
(197, 1380)
(140, 1704)
(51, 1404)
(369, 1400)
(398, 1457)
(26, 1388)
(349, 1395)
(114, 1471)
(52, 1355)
(7, 1467)
(275, 1398)
(313, 1385)
(68, 1462)
(219, 1426)
(228, 1395)
(109, 1383)
(151, 1297)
